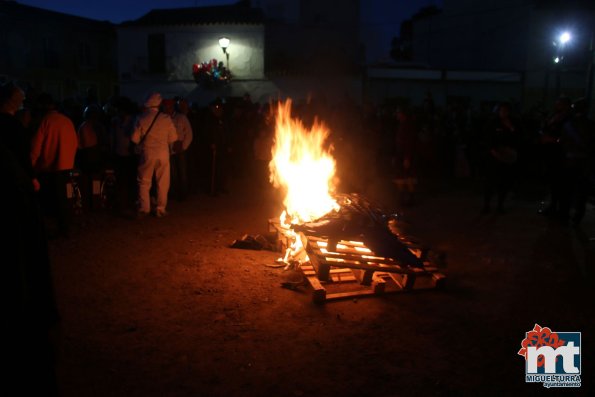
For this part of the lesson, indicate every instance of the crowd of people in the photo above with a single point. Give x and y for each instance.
(167, 148)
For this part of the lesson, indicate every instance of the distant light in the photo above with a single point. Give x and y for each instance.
(556, 59)
(565, 38)
(224, 43)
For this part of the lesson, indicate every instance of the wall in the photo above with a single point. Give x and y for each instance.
(57, 53)
(184, 46)
(413, 84)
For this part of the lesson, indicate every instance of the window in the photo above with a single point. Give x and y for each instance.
(156, 51)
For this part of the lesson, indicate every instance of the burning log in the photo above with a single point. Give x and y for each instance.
(358, 220)
(329, 234)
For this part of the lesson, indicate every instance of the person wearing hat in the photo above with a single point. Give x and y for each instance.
(153, 132)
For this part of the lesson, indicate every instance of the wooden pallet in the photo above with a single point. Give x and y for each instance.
(348, 269)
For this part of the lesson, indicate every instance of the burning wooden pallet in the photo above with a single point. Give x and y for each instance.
(339, 269)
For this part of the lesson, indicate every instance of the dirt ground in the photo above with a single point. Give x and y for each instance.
(162, 307)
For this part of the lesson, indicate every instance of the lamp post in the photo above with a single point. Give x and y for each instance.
(224, 43)
(589, 88)
(560, 44)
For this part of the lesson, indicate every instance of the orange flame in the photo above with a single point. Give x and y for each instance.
(303, 167)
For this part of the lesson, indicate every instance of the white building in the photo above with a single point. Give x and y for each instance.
(157, 51)
(278, 49)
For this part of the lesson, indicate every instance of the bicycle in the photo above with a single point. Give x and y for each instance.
(73, 191)
(107, 190)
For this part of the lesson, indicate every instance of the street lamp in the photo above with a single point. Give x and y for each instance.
(564, 38)
(560, 43)
(224, 43)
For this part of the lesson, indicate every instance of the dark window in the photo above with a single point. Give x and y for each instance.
(156, 50)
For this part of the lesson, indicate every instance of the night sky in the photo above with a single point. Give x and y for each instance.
(381, 19)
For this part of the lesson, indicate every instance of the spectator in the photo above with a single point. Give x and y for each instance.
(91, 154)
(125, 163)
(179, 149)
(553, 153)
(406, 144)
(29, 308)
(53, 149)
(577, 141)
(501, 156)
(153, 132)
(217, 131)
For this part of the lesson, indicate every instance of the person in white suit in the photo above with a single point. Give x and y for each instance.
(153, 133)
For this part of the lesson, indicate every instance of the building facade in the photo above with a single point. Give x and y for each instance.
(157, 51)
(64, 55)
(278, 49)
(512, 37)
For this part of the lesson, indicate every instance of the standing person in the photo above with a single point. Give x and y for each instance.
(12, 131)
(217, 131)
(261, 149)
(501, 157)
(125, 163)
(577, 140)
(406, 146)
(91, 155)
(197, 153)
(153, 133)
(553, 153)
(28, 304)
(53, 149)
(179, 149)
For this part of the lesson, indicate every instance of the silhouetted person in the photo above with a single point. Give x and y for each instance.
(179, 149)
(91, 154)
(501, 156)
(577, 141)
(406, 151)
(217, 134)
(198, 151)
(29, 309)
(261, 149)
(125, 163)
(553, 153)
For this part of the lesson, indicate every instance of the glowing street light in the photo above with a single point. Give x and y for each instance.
(224, 43)
(564, 38)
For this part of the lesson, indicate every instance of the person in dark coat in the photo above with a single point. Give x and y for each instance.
(553, 154)
(28, 298)
(218, 135)
(577, 141)
(500, 157)
(406, 152)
